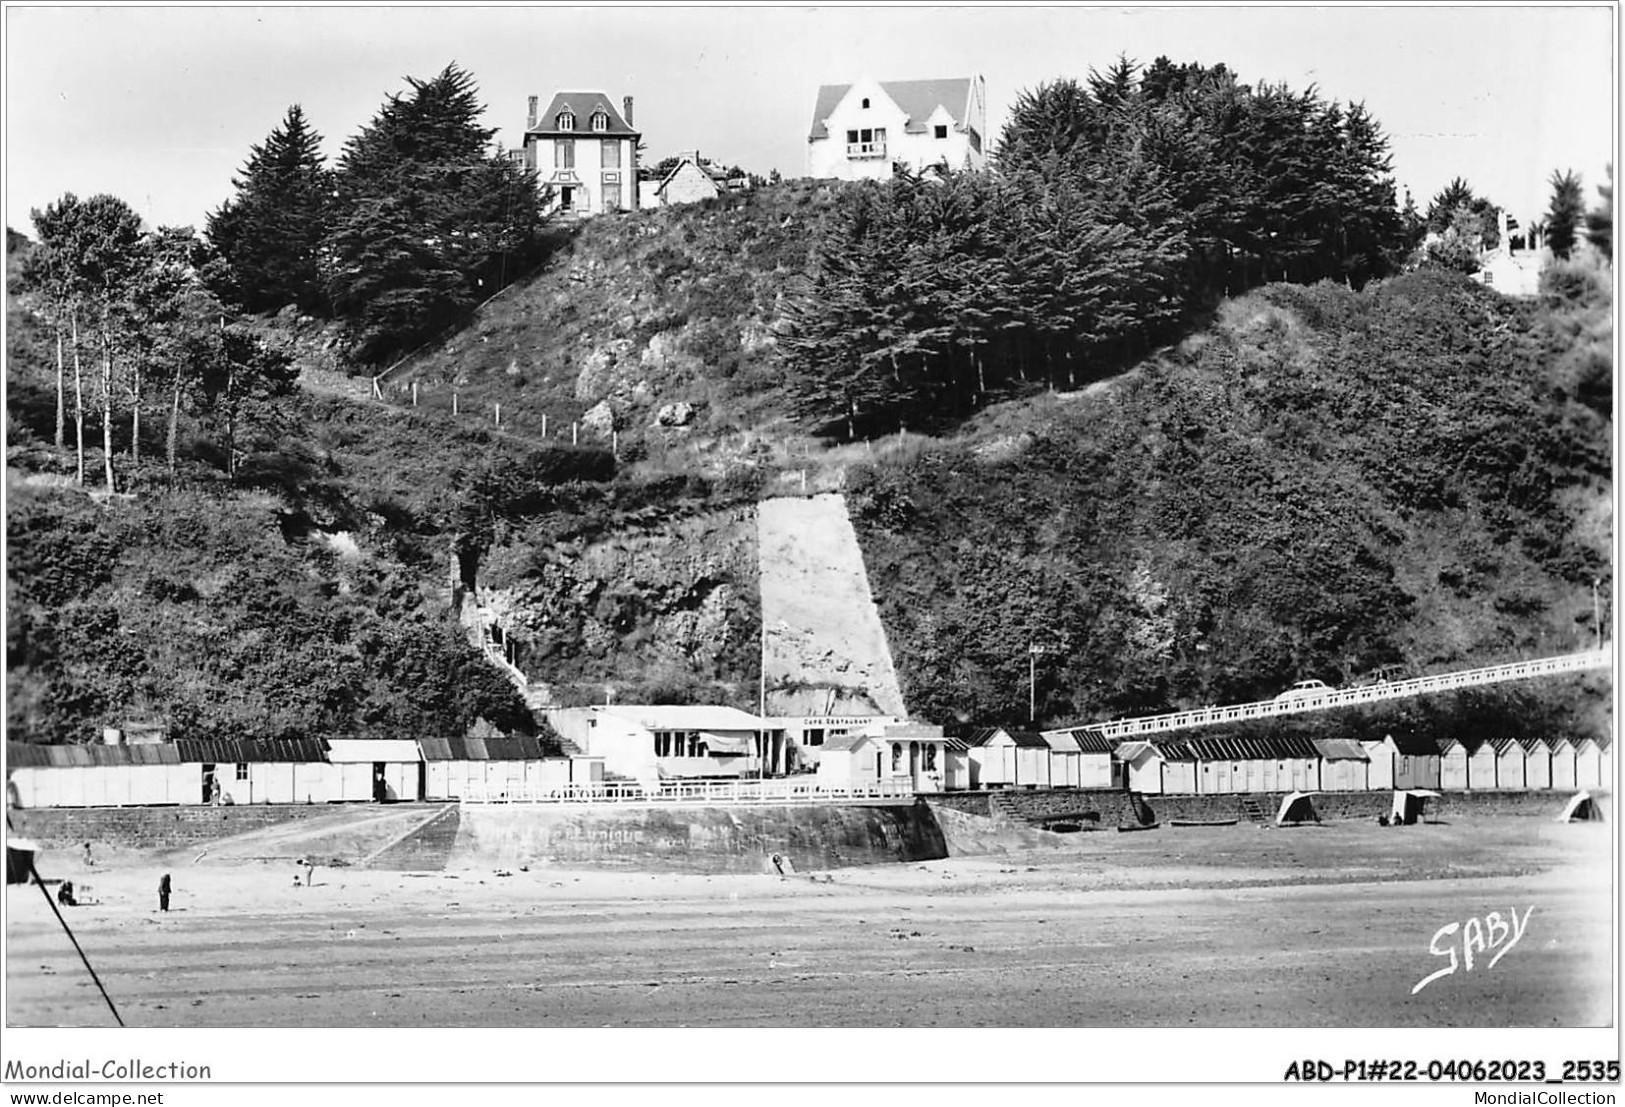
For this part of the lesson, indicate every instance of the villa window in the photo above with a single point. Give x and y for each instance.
(567, 120)
(564, 153)
(896, 756)
(600, 121)
(866, 142)
(942, 130)
(865, 101)
(930, 758)
(612, 153)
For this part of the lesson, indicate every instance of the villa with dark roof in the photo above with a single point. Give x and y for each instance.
(860, 131)
(585, 151)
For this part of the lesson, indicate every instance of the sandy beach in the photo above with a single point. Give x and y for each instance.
(1208, 926)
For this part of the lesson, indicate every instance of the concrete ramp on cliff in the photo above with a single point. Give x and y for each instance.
(826, 651)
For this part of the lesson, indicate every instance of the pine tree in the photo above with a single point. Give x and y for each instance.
(1458, 196)
(270, 233)
(1566, 211)
(1600, 220)
(429, 220)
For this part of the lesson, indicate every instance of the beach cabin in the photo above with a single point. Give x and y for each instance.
(1403, 761)
(849, 761)
(1562, 763)
(1032, 759)
(956, 774)
(1065, 760)
(1605, 761)
(992, 757)
(1588, 765)
(389, 770)
(1157, 768)
(1380, 758)
(1452, 765)
(1510, 762)
(1482, 760)
(654, 742)
(1344, 765)
(1537, 763)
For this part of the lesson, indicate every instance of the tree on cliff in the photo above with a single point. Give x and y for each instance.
(1565, 213)
(270, 233)
(242, 383)
(1600, 221)
(91, 253)
(1457, 196)
(429, 220)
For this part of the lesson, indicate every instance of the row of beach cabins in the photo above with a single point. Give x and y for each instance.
(899, 758)
(191, 772)
(995, 758)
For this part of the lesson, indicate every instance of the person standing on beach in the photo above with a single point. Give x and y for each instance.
(163, 892)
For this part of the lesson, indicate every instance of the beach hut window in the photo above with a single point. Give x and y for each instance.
(242, 770)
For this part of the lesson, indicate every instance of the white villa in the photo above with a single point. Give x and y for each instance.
(654, 742)
(859, 131)
(585, 151)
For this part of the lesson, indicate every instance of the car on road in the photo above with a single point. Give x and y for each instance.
(1386, 674)
(1305, 690)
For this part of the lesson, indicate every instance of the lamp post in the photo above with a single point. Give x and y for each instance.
(761, 708)
(1033, 650)
(1596, 609)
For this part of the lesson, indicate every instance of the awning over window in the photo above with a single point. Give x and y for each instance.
(728, 743)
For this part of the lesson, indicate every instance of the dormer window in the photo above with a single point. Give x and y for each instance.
(600, 121)
(866, 101)
(942, 130)
(567, 120)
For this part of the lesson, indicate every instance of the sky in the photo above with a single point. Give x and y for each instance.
(160, 105)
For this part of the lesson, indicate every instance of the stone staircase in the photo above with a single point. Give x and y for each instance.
(537, 695)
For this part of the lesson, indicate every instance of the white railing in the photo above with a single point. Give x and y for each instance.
(699, 793)
(1399, 689)
(865, 149)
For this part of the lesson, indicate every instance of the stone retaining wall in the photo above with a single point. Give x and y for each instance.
(153, 827)
(1115, 808)
(739, 838)
(1331, 806)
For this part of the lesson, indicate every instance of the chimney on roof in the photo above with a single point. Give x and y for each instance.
(530, 119)
(626, 109)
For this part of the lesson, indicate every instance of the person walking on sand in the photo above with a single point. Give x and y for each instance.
(163, 892)
(89, 860)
